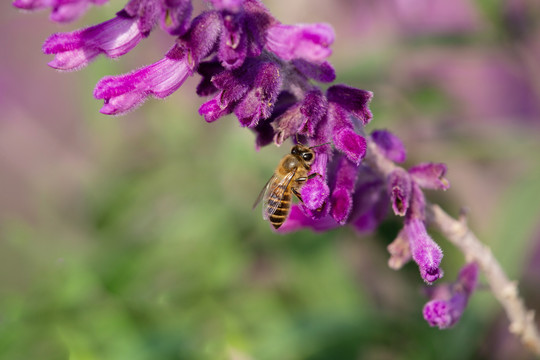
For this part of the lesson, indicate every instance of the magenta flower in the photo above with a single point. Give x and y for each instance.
(77, 49)
(310, 42)
(125, 92)
(425, 252)
(448, 301)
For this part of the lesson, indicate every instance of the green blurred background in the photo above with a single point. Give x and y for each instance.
(133, 237)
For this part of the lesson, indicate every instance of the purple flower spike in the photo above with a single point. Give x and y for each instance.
(123, 93)
(62, 11)
(345, 139)
(259, 102)
(341, 199)
(450, 300)
(353, 100)
(399, 188)
(75, 50)
(430, 175)
(390, 145)
(303, 41)
(425, 252)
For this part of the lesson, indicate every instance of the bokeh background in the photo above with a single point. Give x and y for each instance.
(133, 237)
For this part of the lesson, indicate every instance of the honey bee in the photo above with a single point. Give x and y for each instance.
(290, 175)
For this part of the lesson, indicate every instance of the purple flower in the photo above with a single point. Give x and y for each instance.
(390, 145)
(430, 176)
(302, 41)
(448, 301)
(61, 10)
(123, 93)
(75, 50)
(425, 252)
(354, 101)
(344, 137)
(341, 200)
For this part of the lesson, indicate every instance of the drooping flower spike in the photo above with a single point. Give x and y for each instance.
(266, 73)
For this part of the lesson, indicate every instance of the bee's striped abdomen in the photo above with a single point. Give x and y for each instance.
(283, 207)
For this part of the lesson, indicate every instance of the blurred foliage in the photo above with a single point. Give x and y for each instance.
(158, 254)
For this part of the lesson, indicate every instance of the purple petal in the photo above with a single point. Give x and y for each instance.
(303, 41)
(314, 193)
(353, 100)
(202, 36)
(74, 50)
(259, 102)
(214, 109)
(208, 70)
(370, 202)
(468, 278)
(301, 118)
(123, 93)
(298, 220)
(430, 175)
(425, 252)
(257, 22)
(449, 301)
(345, 139)
(400, 251)
(341, 199)
(323, 72)
(176, 16)
(229, 5)
(399, 188)
(233, 44)
(313, 108)
(390, 145)
(417, 203)
(147, 13)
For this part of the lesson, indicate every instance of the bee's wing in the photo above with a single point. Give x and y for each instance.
(275, 189)
(263, 191)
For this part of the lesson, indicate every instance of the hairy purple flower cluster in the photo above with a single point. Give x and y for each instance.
(264, 72)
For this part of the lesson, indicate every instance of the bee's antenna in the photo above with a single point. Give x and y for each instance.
(326, 143)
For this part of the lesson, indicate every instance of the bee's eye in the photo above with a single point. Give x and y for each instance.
(295, 151)
(307, 156)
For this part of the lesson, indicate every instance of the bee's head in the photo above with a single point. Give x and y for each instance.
(303, 152)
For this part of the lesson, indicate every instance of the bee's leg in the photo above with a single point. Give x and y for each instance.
(311, 176)
(299, 181)
(297, 194)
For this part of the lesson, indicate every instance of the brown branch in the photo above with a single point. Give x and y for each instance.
(456, 231)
